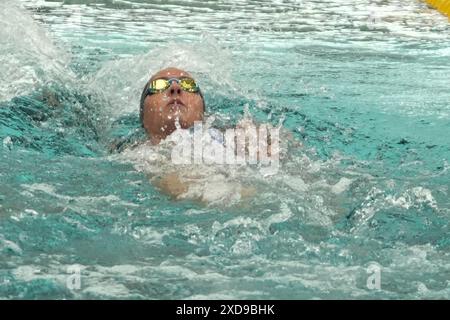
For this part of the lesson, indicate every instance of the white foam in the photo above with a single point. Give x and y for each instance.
(107, 289)
(126, 77)
(341, 186)
(28, 56)
(83, 204)
(9, 245)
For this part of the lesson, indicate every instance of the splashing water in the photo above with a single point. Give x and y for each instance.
(360, 88)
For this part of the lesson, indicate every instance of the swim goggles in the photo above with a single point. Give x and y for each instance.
(160, 85)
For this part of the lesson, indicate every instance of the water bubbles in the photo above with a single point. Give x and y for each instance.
(177, 123)
(29, 56)
(7, 246)
(7, 143)
(242, 248)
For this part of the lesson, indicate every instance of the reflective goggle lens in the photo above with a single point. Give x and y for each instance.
(160, 85)
(188, 85)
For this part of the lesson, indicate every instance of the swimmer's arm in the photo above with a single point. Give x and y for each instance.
(174, 186)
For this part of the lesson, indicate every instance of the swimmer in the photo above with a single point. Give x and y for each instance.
(169, 96)
(172, 99)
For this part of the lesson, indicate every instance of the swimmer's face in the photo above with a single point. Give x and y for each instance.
(163, 109)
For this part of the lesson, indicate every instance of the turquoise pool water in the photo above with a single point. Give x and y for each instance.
(364, 86)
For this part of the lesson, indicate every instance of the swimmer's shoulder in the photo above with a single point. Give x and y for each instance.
(131, 140)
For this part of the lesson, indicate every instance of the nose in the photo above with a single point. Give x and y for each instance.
(174, 88)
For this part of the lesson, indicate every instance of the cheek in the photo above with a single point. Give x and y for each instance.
(158, 100)
(195, 103)
(155, 106)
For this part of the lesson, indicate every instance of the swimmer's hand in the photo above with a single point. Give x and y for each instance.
(172, 185)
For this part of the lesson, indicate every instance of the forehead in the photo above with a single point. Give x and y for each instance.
(171, 73)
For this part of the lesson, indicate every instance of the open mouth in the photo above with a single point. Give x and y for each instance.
(175, 103)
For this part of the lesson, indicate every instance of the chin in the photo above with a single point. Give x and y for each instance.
(186, 124)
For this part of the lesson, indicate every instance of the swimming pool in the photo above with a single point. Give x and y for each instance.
(364, 86)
